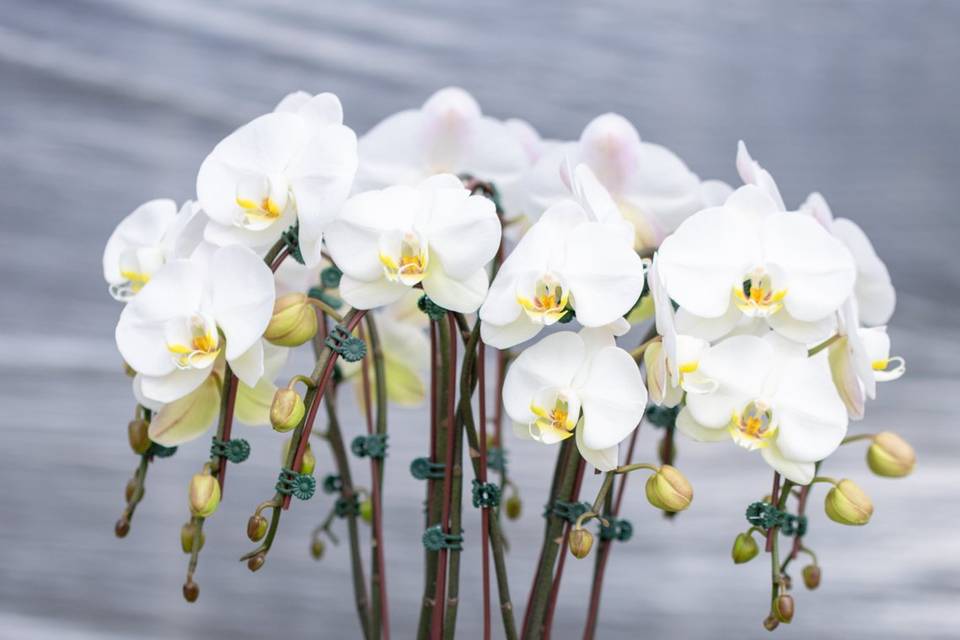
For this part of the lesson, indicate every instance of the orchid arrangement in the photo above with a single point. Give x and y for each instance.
(399, 258)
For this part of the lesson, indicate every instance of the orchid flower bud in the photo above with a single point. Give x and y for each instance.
(317, 548)
(891, 456)
(137, 434)
(580, 542)
(783, 608)
(745, 548)
(293, 322)
(811, 576)
(846, 503)
(669, 490)
(513, 507)
(256, 528)
(256, 562)
(309, 462)
(204, 495)
(366, 510)
(191, 591)
(287, 410)
(187, 532)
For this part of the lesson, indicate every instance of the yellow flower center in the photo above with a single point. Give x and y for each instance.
(556, 420)
(753, 428)
(410, 266)
(547, 303)
(197, 346)
(757, 296)
(262, 201)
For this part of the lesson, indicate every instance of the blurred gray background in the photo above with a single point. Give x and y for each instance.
(105, 104)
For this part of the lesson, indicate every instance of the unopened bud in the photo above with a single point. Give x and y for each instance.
(191, 591)
(770, 623)
(846, 503)
(187, 532)
(204, 495)
(669, 490)
(122, 528)
(783, 608)
(293, 323)
(317, 548)
(256, 562)
(745, 548)
(811, 576)
(513, 507)
(287, 410)
(307, 464)
(580, 542)
(137, 434)
(366, 510)
(257, 528)
(891, 456)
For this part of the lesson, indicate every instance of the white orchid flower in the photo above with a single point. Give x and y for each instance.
(191, 416)
(295, 165)
(766, 394)
(449, 134)
(748, 258)
(651, 186)
(859, 359)
(172, 333)
(576, 383)
(669, 361)
(145, 240)
(577, 256)
(435, 235)
(752, 173)
(876, 297)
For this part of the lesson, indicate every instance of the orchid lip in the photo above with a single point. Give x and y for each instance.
(548, 301)
(405, 257)
(262, 202)
(194, 343)
(757, 296)
(754, 427)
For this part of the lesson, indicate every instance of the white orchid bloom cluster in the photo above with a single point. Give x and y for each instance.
(768, 324)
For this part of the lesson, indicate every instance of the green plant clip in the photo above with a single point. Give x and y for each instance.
(291, 237)
(424, 469)
(434, 539)
(318, 293)
(350, 348)
(374, 446)
(347, 507)
(332, 483)
(434, 311)
(497, 459)
(486, 495)
(766, 516)
(620, 530)
(236, 450)
(663, 417)
(330, 277)
(568, 511)
(160, 451)
(299, 485)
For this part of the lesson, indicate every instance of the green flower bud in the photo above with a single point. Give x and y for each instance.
(186, 537)
(191, 591)
(257, 527)
(847, 504)
(669, 490)
(811, 576)
(287, 410)
(293, 323)
(307, 464)
(317, 548)
(137, 434)
(745, 548)
(366, 510)
(204, 495)
(513, 507)
(783, 608)
(891, 456)
(580, 541)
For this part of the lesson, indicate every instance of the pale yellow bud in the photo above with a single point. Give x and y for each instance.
(293, 323)
(513, 507)
(309, 462)
(580, 541)
(669, 490)
(287, 410)
(891, 456)
(846, 503)
(204, 495)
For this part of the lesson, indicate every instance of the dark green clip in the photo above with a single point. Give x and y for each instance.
(347, 506)
(350, 348)
(434, 539)
(160, 451)
(299, 485)
(332, 483)
(663, 417)
(485, 494)
(568, 511)
(620, 530)
(374, 446)
(291, 237)
(330, 277)
(766, 516)
(497, 459)
(236, 451)
(423, 469)
(432, 309)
